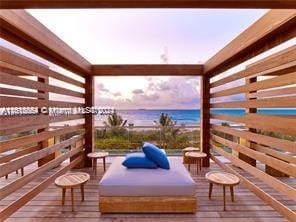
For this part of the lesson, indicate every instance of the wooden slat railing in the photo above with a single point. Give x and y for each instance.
(265, 137)
(30, 137)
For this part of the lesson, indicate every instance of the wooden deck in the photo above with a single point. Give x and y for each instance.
(47, 205)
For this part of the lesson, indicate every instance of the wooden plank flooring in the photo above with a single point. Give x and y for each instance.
(47, 205)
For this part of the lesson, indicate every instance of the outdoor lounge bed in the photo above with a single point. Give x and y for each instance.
(123, 190)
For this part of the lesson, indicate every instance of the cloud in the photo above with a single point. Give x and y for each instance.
(117, 94)
(138, 91)
(100, 87)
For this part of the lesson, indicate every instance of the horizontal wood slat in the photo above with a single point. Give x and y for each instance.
(273, 64)
(22, 141)
(284, 80)
(153, 70)
(282, 102)
(285, 189)
(21, 64)
(264, 122)
(273, 28)
(272, 152)
(25, 151)
(7, 101)
(258, 138)
(25, 160)
(17, 184)
(280, 165)
(16, 92)
(24, 128)
(11, 122)
(13, 207)
(33, 33)
(274, 92)
(274, 203)
(31, 84)
(16, 4)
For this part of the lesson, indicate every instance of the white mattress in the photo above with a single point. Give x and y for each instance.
(120, 181)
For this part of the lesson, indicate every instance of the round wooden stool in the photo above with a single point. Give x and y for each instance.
(187, 160)
(223, 179)
(98, 155)
(197, 156)
(71, 180)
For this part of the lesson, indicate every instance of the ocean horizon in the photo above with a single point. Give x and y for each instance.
(146, 117)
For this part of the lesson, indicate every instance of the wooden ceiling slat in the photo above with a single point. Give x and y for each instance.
(22, 4)
(20, 28)
(274, 28)
(147, 70)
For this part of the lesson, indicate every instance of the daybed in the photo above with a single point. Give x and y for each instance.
(123, 190)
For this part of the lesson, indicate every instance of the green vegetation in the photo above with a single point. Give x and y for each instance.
(117, 138)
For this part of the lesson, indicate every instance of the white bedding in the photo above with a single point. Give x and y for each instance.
(120, 181)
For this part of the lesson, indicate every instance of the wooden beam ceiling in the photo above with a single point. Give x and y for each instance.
(274, 28)
(22, 29)
(23, 4)
(147, 70)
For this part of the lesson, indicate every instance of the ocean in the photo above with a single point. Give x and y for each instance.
(146, 117)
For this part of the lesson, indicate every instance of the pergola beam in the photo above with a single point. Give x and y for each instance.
(147, 70)
(23, 4)
(274, 28)
(22, 29)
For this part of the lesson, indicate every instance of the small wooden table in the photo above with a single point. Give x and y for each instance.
(98, 155)
(197, 156)
(223, 179)
(186, 160)
(71, 180)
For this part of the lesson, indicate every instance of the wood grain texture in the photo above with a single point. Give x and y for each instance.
(275, 27)
(247, 206)
(14, 206)
(281, 102)
(147, 204)
(283, 61)
(271, 123)
(37, 155)
(89, 119)
(28, 30)
(205, 118)
(280, 165)
(23, 4)
(147, 70)
(273, 202)
(278, 185)
(283, 80)
(25, 140)
(282, 144)
(31, 84)
(19, 64)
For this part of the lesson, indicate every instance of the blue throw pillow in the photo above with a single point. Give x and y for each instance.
(138, 160)
(156, 155)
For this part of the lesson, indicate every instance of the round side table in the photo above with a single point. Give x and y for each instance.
(98, 155)
(197, 156)
(71, 180)
(223, 179)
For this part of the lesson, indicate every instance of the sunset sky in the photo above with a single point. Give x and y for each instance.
(141, 36)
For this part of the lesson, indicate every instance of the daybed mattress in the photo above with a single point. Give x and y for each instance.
(120, 181)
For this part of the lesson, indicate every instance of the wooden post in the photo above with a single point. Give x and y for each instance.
(89, 119)
(244, 142)
(44, 143)
(205, 119)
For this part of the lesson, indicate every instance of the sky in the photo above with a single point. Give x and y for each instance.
(144, 36)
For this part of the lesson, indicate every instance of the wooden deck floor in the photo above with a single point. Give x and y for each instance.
(47, 205)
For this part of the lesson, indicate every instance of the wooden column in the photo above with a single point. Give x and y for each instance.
(205, 119)
(44, 144)
(245, 142)
(89, 119)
